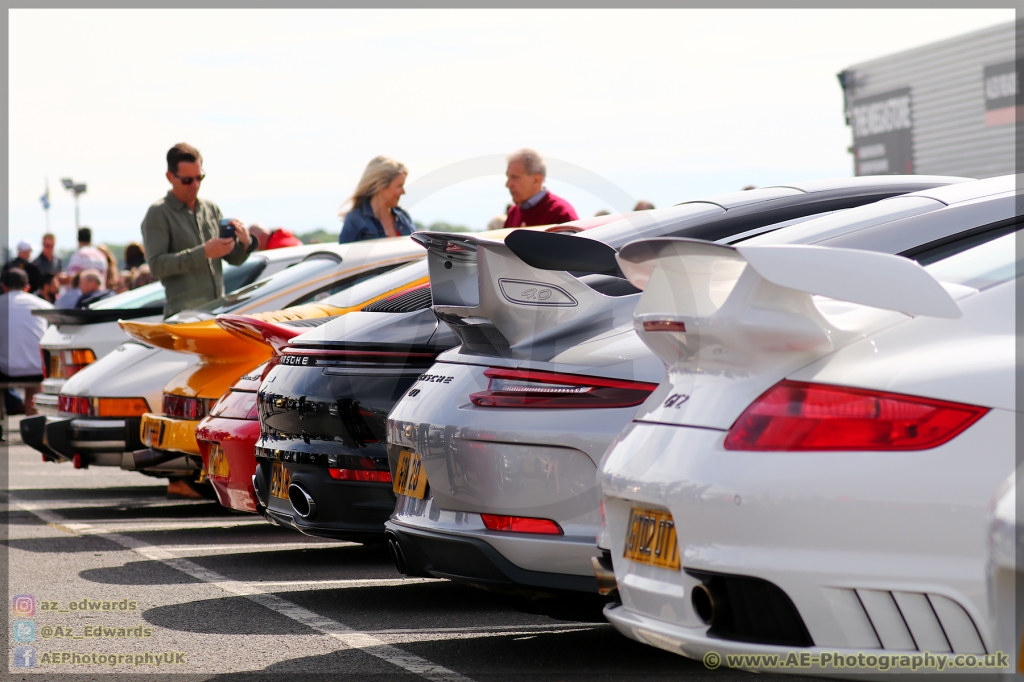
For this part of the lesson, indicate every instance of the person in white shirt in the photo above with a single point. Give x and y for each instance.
(20, 360)
(87, 257)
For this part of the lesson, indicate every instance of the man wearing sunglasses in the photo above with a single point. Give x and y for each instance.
(181, 233)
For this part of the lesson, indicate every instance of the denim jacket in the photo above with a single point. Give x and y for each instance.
(361, 223)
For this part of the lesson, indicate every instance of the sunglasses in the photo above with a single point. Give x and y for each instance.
(188, 180)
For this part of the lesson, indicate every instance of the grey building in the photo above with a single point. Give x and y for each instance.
(948, 108)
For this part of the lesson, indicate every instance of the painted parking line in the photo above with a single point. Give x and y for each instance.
(108, 527)
(350, 637)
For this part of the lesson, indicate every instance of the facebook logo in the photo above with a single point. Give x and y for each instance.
(24, 657)
(24, 631)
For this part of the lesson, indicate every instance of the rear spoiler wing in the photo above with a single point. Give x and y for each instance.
(500, 305)
(733, 305)
(263, 333)
(81, 316)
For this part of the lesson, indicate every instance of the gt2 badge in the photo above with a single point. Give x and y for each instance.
(414, 392)
(534, 293)
(297, 360)
(676, 400)
(436, 378)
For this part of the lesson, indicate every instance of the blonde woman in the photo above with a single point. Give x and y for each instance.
(375, 213)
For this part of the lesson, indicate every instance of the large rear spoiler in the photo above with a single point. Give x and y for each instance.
(80, 316)
(263, 333)
(738, 306)
(500, 305)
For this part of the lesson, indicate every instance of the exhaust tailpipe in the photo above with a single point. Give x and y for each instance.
(396, 552)
(605, 575)
(302, 501)
(705, 604)
(259, 494)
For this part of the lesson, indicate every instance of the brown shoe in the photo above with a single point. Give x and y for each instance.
(180, 489)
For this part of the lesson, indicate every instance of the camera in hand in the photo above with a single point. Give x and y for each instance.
(227, 229)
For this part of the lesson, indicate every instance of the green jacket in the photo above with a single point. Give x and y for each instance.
(174, 236)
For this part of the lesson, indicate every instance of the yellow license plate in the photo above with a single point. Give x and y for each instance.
(651, 538)
(152, 432)
(218, 462)
(410, 479)
(280, 479)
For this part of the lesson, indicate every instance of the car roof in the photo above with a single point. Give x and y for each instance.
(908, 223)
(727, 215)
(974, 189)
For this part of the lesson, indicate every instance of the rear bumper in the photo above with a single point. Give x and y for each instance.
(473, 561)
(45, 403)
(237, 439)
(33, 434)
(100, 442)
(344, 510)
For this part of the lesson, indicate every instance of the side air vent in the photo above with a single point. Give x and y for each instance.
(405, 302)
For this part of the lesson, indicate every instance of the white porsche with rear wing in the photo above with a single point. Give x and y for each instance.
(814, 473)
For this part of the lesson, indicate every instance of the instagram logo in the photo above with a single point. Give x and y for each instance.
(24, 605)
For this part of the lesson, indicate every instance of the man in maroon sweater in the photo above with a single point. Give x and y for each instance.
(534, 205)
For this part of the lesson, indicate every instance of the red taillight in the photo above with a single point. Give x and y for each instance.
(73, 404)
(664, 326)
(527, 388)
(521, 524)
(236, 405)
(360, 475)
(362, 469)
(801, 416)
(102, 407)
(180, 407)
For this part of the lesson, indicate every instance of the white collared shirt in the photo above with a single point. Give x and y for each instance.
(19, 356)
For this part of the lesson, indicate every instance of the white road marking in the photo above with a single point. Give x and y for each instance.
(355, 582)
(504, 629)
(200, 550)
(105, 527)
(350, 637)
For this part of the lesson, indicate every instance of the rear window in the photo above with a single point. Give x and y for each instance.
(237, 276)
(848, 221)
(982, 266)
(148, 295)
(153, 294)
(375, 286)
(303, 271)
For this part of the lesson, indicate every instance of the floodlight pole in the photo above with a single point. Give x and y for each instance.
(76, 189)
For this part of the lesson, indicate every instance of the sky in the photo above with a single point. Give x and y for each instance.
(288, 106)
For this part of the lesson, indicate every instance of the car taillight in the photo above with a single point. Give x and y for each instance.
(793, 416)
(180, 407)
(360, 475)
(236, 405)
(521, 524)
(664, 326)
(64, 364)
(363, 469)
(73, 404)
(102, 407)
(527, 388)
